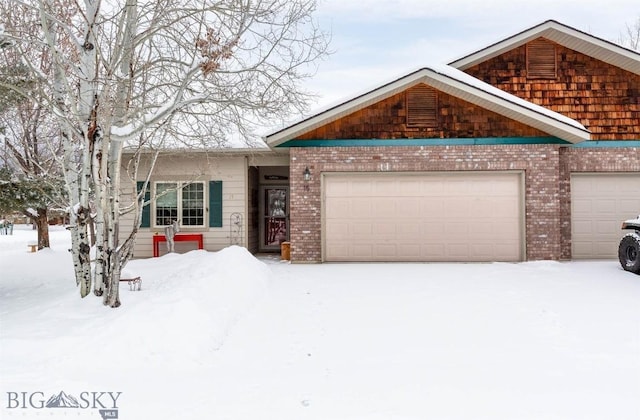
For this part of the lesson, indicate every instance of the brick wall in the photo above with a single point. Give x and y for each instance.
(589, 160)
(604, 98)
(540, 164)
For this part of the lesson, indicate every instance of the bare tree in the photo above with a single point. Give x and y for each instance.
(630, 37)
(29, 140)
(30, 146)
(158, 73)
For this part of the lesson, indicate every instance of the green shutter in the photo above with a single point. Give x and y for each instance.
(215, 203)
(146, 210)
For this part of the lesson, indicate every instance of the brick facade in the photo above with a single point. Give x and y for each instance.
(547, 170)
(540, 164)
(602, 97)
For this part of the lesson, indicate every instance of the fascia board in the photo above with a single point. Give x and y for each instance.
(564, 35)
(343, 109)
(512, 110)
(444, 83)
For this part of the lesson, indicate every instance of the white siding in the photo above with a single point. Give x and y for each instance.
(230, 169)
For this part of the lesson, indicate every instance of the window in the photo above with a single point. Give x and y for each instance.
(193, 204)
(541, 59)
(422, 105)
(180, 201)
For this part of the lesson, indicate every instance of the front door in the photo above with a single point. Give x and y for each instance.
(274, 220)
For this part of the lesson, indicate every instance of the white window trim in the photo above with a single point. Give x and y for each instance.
(180, 185)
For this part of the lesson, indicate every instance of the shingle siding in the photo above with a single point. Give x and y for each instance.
(387, 119)
(604, 98)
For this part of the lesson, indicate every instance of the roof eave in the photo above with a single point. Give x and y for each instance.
(514, 111)
(572, 38)
(444, 83)
(344, 108)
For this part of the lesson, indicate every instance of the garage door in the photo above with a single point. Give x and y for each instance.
(423, 217)
(599, 204)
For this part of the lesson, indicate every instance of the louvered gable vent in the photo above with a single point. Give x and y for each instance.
(541, 59)
(422, 104)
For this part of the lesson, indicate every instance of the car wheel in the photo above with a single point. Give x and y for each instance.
(629, 252)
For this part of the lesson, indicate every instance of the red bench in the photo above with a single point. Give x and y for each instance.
(180, 237)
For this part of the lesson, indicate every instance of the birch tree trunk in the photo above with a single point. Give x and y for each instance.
(138, 73)
(75, 178)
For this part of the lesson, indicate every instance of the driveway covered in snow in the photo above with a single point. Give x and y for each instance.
(227, 336)
(449, 341)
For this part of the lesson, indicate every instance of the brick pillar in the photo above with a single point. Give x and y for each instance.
(305, 213)
(542, 202)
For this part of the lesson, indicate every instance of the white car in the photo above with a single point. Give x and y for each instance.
(629, 249)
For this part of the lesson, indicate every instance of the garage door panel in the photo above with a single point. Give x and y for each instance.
(431, 207)
(604, 227)
(505, 207)
(455, 229)
(629, 206)
(507, 248)
(383, 188)
(338, 188)
(605, 207)
(483, 230)
(361, 250)
(410, 188)
(411, 250)
(340, 207)
(405, 229)
(339, 230)
(431, 229)
(504, 232)
(361, 231)
(436, 251)
(599, 204)
(484, 208)
(458, 188)
(630, 187)
(357, 208)
(384, 208)
(424, 217)
(387, 251)
(581, 206)
(433, 188)
(360, 189)
(409, 208)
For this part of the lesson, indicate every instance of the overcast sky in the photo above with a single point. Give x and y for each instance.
(376, 40)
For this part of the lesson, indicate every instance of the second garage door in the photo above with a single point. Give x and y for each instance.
(423, 217)
(599, 205)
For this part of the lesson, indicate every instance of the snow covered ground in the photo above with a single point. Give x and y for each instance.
(227, 336)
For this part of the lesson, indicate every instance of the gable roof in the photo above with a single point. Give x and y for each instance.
(567, 36)
(451, 81)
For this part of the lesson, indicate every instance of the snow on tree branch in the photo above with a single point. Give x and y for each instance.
(153, 74)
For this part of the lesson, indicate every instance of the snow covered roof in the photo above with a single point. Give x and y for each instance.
(451, 81)
(567, 36)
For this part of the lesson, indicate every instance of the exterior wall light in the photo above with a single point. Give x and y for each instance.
(306, 175)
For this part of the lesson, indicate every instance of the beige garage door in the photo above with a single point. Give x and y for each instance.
(423, 217)
(599, 204)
